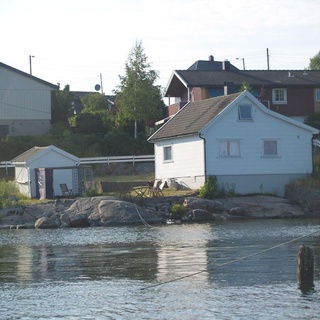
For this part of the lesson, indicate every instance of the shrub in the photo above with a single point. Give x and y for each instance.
(210, 188)
(178, 209)
(8, 190)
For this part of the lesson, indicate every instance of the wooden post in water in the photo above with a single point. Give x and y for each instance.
(305, 268)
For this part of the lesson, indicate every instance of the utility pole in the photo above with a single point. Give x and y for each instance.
(268, 59)
(101, 83)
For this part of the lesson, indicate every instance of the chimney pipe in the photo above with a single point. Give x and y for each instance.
(226, 65)
(211, 58)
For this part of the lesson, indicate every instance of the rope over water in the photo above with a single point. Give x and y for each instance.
(143, 221)
(228, 263)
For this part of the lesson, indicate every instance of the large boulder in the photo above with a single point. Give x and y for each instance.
(47, 223)
(213, 206)
(116, 212)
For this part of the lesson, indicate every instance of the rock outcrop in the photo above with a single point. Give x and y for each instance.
(107, 211)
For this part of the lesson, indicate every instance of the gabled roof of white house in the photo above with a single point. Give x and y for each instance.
(37, 152)
(52, 86)
(195, 116)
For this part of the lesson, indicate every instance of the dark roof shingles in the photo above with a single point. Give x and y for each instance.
(193, 117)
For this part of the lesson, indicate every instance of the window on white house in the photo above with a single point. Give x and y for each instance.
(229, 148)
(167, 153)
(270, 148)
(317, 95)
(245, 112)
(279, 96)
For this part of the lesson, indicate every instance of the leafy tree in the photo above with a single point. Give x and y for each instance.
(61, 105)
(315, 62)
(245, 86)
(138, 99)
(96, 104)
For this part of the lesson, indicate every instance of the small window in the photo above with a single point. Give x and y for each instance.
(167, 153)
(279, 96)
(245, 112)
(270, 148)
(317, 94)
(229, 148)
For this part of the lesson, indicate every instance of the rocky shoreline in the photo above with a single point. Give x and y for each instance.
(109, 211)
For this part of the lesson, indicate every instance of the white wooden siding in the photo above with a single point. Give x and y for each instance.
(294, 145)
(22, 98)
(187, 161)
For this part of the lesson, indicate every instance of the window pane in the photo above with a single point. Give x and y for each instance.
(279, 96)
(245, 112)
(167, 153)
(318, 95)
(270, 148)
(229, 149)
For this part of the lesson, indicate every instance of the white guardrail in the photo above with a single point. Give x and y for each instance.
(94, 160)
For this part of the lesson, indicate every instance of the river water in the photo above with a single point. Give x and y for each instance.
(227, 270)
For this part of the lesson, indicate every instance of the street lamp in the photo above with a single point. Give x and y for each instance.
(30, 63)
(244, 67)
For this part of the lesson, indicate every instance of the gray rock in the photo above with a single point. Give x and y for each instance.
(121, 212)
(205, 204)
(79, 220)
(47, 223)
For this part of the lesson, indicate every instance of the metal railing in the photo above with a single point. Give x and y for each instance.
(95, 160)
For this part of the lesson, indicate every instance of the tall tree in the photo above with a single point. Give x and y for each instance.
(315, 62)
(138, 99)
(61, 105)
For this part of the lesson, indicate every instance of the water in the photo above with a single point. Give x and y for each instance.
(163, 272)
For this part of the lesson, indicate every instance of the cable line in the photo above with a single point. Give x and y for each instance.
(227, 263)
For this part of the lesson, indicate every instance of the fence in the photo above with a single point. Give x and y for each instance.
(95, 160)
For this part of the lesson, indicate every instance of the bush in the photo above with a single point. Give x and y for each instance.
(8, 190)
(210, 188)
(178, 209)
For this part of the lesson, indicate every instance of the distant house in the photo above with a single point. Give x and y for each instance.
(40, 170)
(25, 103)
(294, 93)
(248, 147)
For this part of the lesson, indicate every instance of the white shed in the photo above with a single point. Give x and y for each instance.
(40, 170)
(249, 148)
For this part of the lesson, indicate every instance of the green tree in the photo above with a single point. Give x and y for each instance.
(315, 62)
(96, 104)
(61, 105)
(138, 99)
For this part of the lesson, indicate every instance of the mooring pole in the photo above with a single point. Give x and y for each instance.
(305, 268)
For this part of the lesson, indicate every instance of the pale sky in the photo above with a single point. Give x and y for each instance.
(74, 41)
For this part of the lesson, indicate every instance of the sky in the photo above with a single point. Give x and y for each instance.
(83, 43)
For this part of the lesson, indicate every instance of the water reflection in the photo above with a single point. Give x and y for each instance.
(159, 254)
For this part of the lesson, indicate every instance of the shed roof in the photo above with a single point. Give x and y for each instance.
(35, 152)
(193, 117)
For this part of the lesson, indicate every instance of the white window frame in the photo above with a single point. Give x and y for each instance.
(276, 93)
(242, 116)
(167, 156)
(317, 95)
(229, 148)
(274, 152)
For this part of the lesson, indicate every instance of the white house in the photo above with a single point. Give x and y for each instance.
(25, 103)
(40, 170)
(249, 148)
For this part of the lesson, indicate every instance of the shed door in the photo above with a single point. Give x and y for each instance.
(44, 183)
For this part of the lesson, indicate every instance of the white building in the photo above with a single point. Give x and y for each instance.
(249, 148)
(25, 103)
